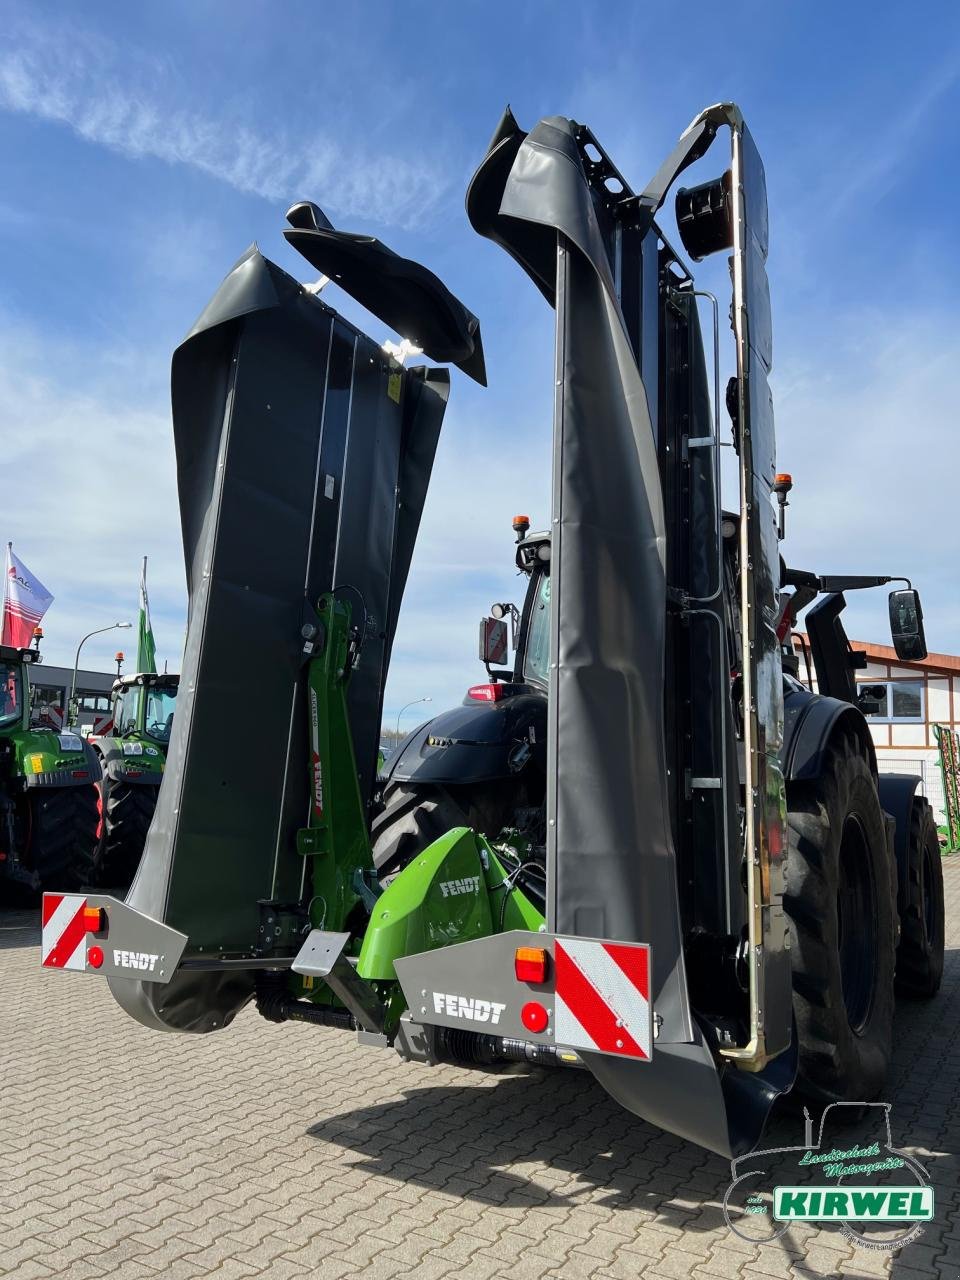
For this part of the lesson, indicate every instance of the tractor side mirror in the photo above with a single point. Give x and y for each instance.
(906, 625)
(494, 640)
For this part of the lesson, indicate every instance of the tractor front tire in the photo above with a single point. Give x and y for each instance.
(127, 814)
(63, 836)
(840, 901)
(920, 954)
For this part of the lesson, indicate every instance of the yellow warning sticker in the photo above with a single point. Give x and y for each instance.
(393, 387)
(36, 763)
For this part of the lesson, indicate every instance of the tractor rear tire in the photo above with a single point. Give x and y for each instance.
(63, 836)
(840, 901)
(920, 954)
(414, 816)
(127, 814)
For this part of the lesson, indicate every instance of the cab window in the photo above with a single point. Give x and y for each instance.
(125, 710)
(161, 703)
(536, 659)
(11, 693)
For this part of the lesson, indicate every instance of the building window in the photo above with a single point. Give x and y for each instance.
(892, 701)
(94, 701)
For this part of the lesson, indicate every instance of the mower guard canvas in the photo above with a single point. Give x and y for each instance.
(303, 458)
(611, 864)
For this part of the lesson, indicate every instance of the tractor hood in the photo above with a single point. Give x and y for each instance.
(303, 453)
(476, 742)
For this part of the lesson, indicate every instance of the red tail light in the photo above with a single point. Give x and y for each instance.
(530, 964)
(486, 692)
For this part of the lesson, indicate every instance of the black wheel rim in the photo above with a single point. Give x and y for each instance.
(856, 924)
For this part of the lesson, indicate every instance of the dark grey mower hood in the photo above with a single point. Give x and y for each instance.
(303, 459)
(611, 864)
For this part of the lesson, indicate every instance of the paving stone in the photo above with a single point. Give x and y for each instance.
(285, 1152)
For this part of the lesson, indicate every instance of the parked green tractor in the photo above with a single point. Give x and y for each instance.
(48, 801)
(132, 756)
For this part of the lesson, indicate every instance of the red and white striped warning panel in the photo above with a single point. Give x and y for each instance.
(65, 931)
(98, 934)
(602, 997)
(102, 724)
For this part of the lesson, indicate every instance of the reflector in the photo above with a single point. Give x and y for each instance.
(534, 1016)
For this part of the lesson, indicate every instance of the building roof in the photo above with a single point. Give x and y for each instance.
(887, 653)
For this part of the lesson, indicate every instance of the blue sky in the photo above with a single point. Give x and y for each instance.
(146, 146)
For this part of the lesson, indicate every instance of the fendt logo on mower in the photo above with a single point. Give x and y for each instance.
(467, 1007)
(315, 766)
(143, 960)
(454, 888)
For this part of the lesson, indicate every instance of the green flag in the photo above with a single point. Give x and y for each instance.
(146, 649)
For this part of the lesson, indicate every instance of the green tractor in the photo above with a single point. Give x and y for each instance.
(48, 799)
(132, 757)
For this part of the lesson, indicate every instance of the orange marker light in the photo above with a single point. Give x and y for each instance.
(94, 919)
(530, 964)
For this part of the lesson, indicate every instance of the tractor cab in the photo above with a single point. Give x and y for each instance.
(143, 706)
(133, 756)
(524, 631)
(12, 685)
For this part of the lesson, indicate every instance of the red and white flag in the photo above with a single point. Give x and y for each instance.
(25, 601)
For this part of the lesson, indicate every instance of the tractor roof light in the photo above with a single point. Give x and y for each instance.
(521, 525)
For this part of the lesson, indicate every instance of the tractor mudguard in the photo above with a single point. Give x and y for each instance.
(810, 720)
(46, 758)
(120, 763)
(897, 792)
(472, 743)
(303, 456)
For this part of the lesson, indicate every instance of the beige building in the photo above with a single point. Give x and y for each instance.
(902, 703)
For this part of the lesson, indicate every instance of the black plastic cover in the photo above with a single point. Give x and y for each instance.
(303, 457)
(400, 292)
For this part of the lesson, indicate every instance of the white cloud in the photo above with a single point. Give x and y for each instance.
(868, 427)
(89, 489)
(132, 104)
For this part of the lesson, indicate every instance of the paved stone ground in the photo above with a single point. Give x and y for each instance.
(289, 1151)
